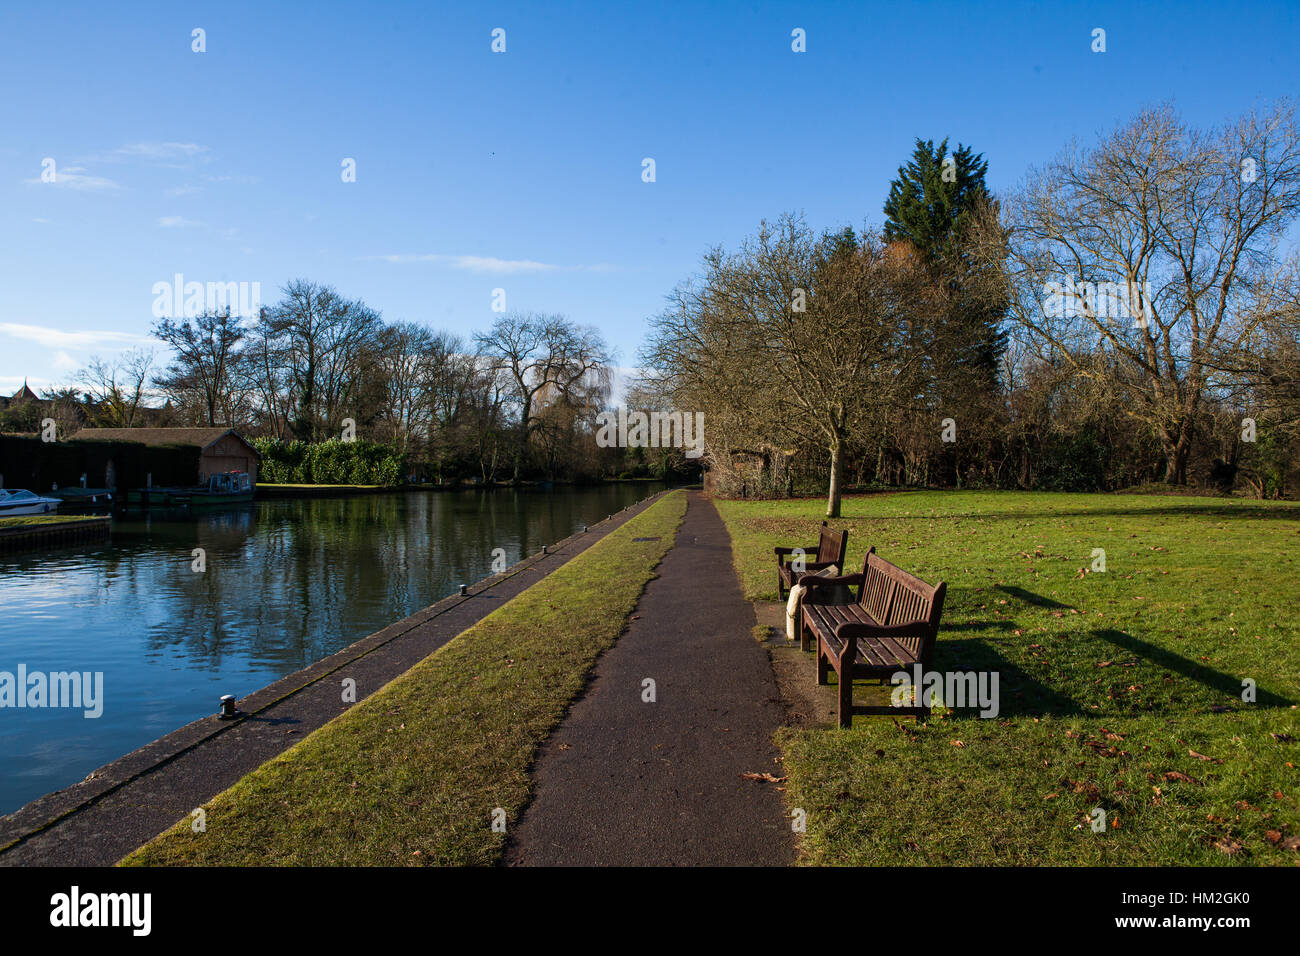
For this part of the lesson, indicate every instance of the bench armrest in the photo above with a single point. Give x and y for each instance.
(781, 551)
(822, 582)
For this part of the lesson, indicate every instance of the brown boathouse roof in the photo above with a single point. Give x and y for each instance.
(203, 437)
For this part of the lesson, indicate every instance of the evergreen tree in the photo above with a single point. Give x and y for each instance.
(931, 204)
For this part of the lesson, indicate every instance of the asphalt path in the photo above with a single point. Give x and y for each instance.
(630, 781)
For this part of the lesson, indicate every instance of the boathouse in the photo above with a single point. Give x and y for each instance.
(219, 449)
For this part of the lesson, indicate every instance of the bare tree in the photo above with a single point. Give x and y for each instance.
(1160, 247)
(326, 339)
(207, 353)
(797, 339)
(545, 358)
(117, 386)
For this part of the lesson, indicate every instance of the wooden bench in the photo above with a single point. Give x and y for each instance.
(829, 552)
(891, 627)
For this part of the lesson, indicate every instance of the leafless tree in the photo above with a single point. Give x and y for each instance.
(544, 359)
(117, 386)
(798, 339)
(325, 338)
(1183, 227)
(207, 351)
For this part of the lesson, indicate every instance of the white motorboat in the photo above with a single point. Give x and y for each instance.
(22, 502)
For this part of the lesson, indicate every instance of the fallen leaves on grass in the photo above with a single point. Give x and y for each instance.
(764, 776)
(1285, 843)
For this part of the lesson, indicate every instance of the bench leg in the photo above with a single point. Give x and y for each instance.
(804, 634)
(846, 699)
(822, 669)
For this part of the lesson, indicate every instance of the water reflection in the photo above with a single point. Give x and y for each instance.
(286, 583)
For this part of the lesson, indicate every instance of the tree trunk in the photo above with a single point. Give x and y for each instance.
(1176, 462)
(833, 496)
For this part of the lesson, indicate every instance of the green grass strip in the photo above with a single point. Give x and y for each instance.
(33, 521)
(412, 774)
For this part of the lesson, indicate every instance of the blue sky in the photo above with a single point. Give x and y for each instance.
(522, 170)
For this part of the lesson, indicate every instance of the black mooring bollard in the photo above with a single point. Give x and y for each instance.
(464, 590)
(228, 710)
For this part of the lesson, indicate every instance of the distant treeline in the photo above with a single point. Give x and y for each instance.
(516, 402)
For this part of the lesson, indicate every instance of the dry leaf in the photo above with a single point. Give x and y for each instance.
(769, 778)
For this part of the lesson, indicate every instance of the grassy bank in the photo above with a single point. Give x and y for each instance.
(411, 775)
(1119, 690)
(41, 521)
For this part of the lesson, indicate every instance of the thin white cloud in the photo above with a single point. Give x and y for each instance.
(74, 177)
(63, 339)
(492, 263)
(186, 190)
(159, 152)
(177, 222)
(64, 362)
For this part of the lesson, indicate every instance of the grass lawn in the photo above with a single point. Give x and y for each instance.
(1120, 690)
(411, 775)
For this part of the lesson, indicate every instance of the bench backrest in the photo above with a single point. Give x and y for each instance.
(831, 546)
(892, 596)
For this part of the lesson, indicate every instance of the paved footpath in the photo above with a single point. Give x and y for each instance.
(126, 803)
(626, 782)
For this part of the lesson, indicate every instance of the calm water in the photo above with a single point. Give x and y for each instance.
(287, 583)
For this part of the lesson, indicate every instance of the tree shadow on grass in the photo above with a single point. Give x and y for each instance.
(1029, 597)
(1019, 693)
(1208, 677)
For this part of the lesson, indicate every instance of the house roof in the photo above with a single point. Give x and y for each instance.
(23, 396)
(202, 437)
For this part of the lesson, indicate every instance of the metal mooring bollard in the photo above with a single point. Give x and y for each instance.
(543, 549)
(464, 590)
(228, 710)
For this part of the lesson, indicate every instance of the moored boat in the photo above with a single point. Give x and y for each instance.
(83, 499)
(19, 501)
(226, 488)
